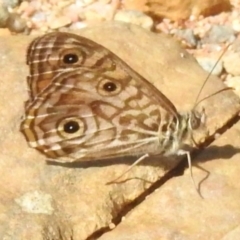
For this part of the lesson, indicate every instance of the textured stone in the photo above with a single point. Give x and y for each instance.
(75, 200)
(180, 213)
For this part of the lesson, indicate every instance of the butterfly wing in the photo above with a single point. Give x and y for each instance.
(98, 110)
(54, 53)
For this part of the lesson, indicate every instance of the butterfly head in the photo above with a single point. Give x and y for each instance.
(196, 119)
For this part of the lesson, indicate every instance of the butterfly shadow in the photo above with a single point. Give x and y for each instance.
(213, 153)
(94, 163)
(198, 156)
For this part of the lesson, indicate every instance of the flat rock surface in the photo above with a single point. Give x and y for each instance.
(175, 211)
(73, 201)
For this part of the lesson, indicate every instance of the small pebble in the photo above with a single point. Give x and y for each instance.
(188, 36)
(235, 46)
(55, 22)
(16, 24)
(92, 16)
(208, 64)
(78, 25)
(234, 82)
(111, 226)
(134, 17)
(216, 135)
(219, 34)
(231, 63)
(236, 25)
(39, 17)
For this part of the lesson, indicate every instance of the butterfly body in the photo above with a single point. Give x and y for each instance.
(86, 104)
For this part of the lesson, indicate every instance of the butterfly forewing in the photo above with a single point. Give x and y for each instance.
(49, 55)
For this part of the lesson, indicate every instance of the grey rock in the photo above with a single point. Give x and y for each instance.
(209, 65)
(219, 34)
(187, 35)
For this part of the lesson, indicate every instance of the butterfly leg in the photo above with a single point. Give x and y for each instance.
(182, 152)
(129, 168)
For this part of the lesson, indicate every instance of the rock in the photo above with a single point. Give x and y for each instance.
(92, 16)
(16, 24)
(134, 17)
(231, 63)
(55, 22)
(36, 202)
(187, 35)
(183, 9)
(236, 25)
(4, 14)
(234, 82)
(236, 45)
(219, 34)
(181, 214)
(77, 25)
(208, 64)
(72, 201)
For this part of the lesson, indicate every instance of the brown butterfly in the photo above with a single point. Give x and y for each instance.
(87, 104)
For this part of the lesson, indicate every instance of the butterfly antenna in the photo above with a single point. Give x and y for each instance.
(222, 90)
(208, 76)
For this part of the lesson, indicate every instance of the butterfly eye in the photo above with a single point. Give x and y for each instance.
(70, 127)
(108, 87)
(70, 58)
(197, 119)
(194, 121)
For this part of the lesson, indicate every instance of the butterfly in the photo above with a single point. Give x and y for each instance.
(85, 103)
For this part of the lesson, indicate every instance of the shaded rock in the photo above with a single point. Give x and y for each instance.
(182, 214)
